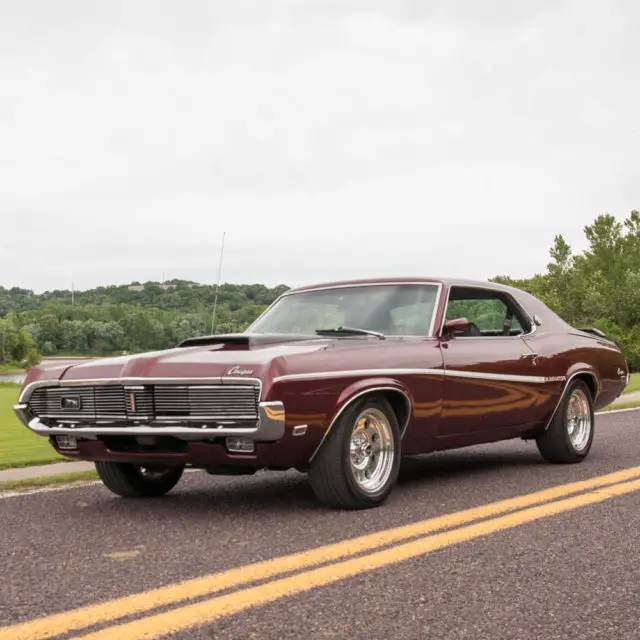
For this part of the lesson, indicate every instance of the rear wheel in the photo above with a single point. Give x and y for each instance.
(569, 437)
(137, 481)
(358, 463)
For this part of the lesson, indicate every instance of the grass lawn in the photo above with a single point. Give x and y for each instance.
(634, 383)
(18, 446)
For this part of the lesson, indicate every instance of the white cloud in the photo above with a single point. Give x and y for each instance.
(329, 139)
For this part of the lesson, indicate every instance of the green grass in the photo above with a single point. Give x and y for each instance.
(634, 383)
(19, 447)
(621, 405)
(49, 481)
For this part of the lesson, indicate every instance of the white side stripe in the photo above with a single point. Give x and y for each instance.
(317, 375)
(372, 373)
(501, 376)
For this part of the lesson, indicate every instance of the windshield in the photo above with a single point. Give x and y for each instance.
(395, 309)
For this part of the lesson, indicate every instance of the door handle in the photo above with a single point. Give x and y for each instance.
(533, 356)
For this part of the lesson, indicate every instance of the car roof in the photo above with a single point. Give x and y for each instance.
(407, 280)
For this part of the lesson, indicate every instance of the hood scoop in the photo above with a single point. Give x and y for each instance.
(244, 340)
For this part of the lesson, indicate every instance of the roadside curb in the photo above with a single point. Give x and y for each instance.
(614, 411)
(45, 471)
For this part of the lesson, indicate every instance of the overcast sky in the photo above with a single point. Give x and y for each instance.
(329, 139)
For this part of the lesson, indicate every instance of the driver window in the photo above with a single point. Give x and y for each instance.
(489, 313)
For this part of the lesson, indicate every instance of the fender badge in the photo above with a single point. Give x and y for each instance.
(239, 371)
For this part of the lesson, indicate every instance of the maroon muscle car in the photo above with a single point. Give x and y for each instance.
(338, 380)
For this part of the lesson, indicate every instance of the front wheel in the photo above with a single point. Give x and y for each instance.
(570, 435)
(358, 463)
(137, 481)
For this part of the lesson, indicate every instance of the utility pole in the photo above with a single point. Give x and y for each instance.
(215, 300)
(73, 294)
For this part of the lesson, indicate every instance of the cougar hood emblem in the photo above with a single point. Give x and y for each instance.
(239, 371)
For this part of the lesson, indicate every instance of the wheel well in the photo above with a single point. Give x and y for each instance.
(590, 380)
(399, 402)
(592, 385)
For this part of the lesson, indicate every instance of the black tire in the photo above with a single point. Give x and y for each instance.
(556, 444)
(331, 474)
(137, 481)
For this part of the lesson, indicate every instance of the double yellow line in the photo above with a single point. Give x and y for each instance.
(315, 568)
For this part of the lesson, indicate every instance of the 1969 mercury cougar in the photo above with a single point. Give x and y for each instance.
(337, 380)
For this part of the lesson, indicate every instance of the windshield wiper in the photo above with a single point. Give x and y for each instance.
(352, 331)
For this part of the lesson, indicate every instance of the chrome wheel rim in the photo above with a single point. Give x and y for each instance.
(579, 420)
(371, 450)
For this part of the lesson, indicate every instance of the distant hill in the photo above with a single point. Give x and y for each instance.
(128, 317)
(172, 294)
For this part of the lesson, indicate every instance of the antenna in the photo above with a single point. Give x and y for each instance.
(215, 300)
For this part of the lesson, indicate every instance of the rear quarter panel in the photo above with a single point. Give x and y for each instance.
(566, 354)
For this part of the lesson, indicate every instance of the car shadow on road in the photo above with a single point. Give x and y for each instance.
(464, 462)
(200, 492)
(284, 492)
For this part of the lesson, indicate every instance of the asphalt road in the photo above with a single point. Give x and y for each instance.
(532, 568)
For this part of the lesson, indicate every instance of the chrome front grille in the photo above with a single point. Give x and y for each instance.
(139, 401)
(80, 402)
(109, 401)
(48, 402)
(219, 401)
(147, 402)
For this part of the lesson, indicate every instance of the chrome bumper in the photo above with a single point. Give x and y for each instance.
(270, 427)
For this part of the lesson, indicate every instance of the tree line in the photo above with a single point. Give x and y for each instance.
(128, 318)
(599, 287)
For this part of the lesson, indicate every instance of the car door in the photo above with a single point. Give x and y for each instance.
(491, 383)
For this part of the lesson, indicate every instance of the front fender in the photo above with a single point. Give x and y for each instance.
(313, 407)
(44, 373)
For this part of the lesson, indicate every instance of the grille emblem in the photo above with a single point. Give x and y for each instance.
(71, 403)
(132, 400)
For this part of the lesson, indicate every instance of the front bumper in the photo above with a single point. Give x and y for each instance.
(270, 427)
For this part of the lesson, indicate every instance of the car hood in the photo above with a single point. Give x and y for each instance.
(236, 355)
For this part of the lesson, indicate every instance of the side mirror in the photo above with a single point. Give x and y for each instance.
(457, 325)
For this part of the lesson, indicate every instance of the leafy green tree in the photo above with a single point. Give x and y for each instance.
(601, 286)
